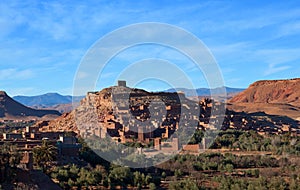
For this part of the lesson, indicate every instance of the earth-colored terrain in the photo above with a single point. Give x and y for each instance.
(240, 107)
(271, 91)
(276, 97)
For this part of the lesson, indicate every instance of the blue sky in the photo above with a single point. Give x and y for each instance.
(43, 42)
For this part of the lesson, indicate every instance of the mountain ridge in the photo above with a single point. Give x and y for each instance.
(47, 100)
(97, 108)
(271, 91)
(278, 97)
(9, 108)
(63, 103)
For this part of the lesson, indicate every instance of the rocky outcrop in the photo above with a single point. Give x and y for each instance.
(101, 106)
(94, 106)
(271, 91)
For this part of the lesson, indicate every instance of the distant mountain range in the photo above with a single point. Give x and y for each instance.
(52, 100)
(63, 103)
(276, 97)
(259, 111)
(11, 109)
(206, 91)
(46, 100)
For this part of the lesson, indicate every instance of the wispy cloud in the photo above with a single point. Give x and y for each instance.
(272, 69)
(13, 74)
(42, 39)
(278, 60)
(290, 28)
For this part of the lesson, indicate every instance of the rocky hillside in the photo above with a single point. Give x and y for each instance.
(9, 108)
(271, 91)
(95, 105)
(100, 107)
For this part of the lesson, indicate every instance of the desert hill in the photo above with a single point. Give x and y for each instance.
(10, 108)
(99, 107)
(278, 97)
(271, 91)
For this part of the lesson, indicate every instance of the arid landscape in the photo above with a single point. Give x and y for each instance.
(257, 143)
(279, 97)
(179, 95)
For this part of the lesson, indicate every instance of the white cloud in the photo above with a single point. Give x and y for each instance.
(278, 56)
(51, 37)
(12, 73)
(273, 69)
(278, 60)
(290, 28)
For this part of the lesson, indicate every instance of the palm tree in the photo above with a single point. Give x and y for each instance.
(44, 154)
(9, 159)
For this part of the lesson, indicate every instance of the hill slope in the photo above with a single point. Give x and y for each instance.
(97, 106)
(9, 108)
(100, 108)
(271, 91)
(277, 97)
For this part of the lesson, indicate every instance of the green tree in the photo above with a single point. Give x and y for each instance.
(178, 173)
(152, 186)
(138, 179)
(62, 175)
(74, 170)
(229, 167)
(43, 155)
(99, 173)
(148, 179)
(197, 137)
(120, 176)
(9, 159)
(85, 178)
(164, 175)
(184, 184)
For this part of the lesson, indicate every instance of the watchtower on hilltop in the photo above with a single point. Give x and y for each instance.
(122, 83)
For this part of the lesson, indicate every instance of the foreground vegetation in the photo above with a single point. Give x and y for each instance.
(9, 159)
(236, 160)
